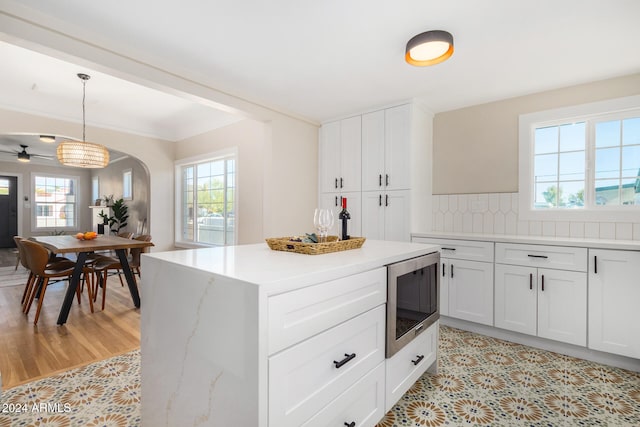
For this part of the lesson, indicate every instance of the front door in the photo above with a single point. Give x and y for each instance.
(8, 210)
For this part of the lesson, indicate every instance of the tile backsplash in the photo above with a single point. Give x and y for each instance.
(497, 213)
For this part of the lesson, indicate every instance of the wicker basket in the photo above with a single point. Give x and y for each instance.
(332, 245)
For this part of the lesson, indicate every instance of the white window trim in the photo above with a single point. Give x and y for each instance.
(526, 158)
(178, 242)
(33, 202)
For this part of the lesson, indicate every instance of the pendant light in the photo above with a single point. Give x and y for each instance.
(430, 48)
(83, 154)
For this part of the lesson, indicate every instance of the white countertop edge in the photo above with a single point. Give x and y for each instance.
(276, 271)
(631, 245)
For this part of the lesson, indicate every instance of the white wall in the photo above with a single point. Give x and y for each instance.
(24, 170)
(110, 182)
(475, 149)
(248, 138)
(157, 156)
(290, 143)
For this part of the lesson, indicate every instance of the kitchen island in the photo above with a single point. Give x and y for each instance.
(246, 336)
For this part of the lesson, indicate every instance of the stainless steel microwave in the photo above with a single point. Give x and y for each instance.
(413, 292)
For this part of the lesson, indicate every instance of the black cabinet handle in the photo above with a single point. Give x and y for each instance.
(341, 182)
(448, 249)
(380, 180)
(444, 269)
(386, 180)
(531, 281)
(380, 200)
(351, 424)
(336, 200)
(386, 200)
(538, 256)
(418, 359)
(595, 264)
(336, 184)
(348, 357)
(543, 283)
(451, 268)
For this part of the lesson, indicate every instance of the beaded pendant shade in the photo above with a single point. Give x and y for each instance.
(82, 154)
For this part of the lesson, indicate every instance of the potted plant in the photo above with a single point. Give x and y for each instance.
(120, 216)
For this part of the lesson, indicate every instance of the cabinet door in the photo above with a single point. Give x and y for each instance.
(350, 154)
(329, 157)
(397, 211)
(373, 215)
(471, 291)
(397, 145)
(515, 298)
(373, 151)
(614, 298)
(562, 306)
(444, 286)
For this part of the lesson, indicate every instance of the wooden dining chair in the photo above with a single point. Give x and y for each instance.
(59, 262)
(103, 265)
(37, 260)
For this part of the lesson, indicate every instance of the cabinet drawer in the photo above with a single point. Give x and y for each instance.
(297, 315)
(558, 257)
(461, 249)
(402, 372)
(362, 404)
(304, 378)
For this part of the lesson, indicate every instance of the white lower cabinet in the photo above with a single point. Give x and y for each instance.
(614, 298)
(407, 365)
(308, 376)
(536, 301)
(470, 286)
(361, 405)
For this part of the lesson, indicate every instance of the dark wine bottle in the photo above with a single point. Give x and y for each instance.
(344, 216)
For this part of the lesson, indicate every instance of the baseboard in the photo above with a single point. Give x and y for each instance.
(545, 344)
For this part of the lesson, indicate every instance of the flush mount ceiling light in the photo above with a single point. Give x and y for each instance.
(430, 48)
(47, 138)
(83, 154)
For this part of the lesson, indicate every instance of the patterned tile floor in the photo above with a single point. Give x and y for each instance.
(481, 382)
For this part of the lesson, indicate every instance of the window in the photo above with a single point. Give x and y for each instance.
(95, 189)
(127, 191)
(55, 202)
(581, 163)
(4, 187)
(207, 191)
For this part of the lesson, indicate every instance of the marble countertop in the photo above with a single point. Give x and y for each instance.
(281, 271)
(632, 245)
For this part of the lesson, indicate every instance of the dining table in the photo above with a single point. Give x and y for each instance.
(67, 244)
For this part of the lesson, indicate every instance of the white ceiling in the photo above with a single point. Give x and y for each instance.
(319, 59)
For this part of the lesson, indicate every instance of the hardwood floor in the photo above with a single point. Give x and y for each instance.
(28, 352)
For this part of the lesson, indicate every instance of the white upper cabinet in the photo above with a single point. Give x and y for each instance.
(386, 143)
(340, 155)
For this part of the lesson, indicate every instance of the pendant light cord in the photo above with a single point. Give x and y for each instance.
(84, 93)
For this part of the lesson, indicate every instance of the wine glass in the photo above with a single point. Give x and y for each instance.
(323, 220)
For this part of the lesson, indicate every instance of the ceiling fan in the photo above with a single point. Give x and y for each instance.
(23, 156)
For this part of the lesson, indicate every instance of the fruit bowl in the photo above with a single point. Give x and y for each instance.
(89, 235)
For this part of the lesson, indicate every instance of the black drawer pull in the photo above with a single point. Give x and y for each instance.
(448, 249)
(380, 180)
(531, 281)
(336, 184)
(351, 424)
(451, 268)
(344, 361)
(538, 256)
(543, 283)
(444, 269)
(340, 182)
(595, 264)
(418, 359)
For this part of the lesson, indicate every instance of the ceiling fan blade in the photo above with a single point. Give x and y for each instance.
(41, 156)
(9, 152)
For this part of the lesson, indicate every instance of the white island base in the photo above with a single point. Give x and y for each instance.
(246, 336)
